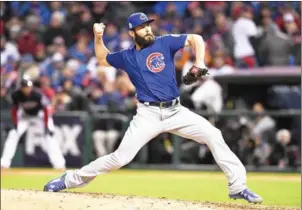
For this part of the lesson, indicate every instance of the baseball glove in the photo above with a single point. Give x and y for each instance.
(194, 74)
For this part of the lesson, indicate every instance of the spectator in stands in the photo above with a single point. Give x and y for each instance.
(59, 46)
(99, 11)
(40, 53)
(161, 7)
(197, 16)
(34, 7)
(111, 96)
(215, 7)
(45, 86)
(27, 42)
(287, 13)
(264, 12)
(81, 49)
(61, 101)
(84, 23)
(103, 92)
(13, 21)
(261, 130)
(8, 49)
(95, 92)
(78, 99)
(170, 12)
(111, 38)
(294, 32)
(236, 8)
(29, 68)
(125, 8)
(9, 73)
(54, 69)
(57, 6)
(34, 26)
(76, 71)
(244, 33)
(14, 32)
(266, 22)
(74, 10)
(219, 65)
(223, 31)
(284, 152)
(275, 47)
(57, 29)
(125, 40)
(10, 66)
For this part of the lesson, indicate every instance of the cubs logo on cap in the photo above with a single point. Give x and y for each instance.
(137, 19)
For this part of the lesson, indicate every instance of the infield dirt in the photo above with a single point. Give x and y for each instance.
(38, 200)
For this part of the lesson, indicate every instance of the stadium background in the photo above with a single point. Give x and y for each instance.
(253, 96)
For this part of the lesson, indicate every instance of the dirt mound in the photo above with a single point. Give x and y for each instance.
(38, 200)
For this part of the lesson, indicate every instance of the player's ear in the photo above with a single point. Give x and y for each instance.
(131, 33)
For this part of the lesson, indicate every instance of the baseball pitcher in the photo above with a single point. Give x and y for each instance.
(150, 66)
(30, 105)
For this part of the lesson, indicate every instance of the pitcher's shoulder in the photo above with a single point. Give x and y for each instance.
(169, 36)
(161, 37)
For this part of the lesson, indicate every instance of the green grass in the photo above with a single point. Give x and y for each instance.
(276, 189)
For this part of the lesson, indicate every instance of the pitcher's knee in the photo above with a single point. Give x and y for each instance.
(217, 133)
(213, 135)
(120, 160)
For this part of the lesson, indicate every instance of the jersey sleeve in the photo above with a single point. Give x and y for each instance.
(175, 41)
(116, 59)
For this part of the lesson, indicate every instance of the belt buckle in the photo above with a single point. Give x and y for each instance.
(161, 105)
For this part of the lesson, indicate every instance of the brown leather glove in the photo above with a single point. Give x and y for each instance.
(194, 74)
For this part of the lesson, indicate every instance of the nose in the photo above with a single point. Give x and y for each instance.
(147, 28)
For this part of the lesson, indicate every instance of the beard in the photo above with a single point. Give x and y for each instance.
(144, 41)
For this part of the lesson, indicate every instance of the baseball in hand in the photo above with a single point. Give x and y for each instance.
(99, 27)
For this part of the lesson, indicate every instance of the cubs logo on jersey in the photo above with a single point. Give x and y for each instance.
(155, 62)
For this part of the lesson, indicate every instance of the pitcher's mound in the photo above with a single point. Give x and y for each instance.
(38, 200)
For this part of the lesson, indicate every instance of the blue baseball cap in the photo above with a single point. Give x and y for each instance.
(137, 19)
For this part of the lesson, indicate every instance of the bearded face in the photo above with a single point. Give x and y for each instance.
(143, 35)
(144, 41)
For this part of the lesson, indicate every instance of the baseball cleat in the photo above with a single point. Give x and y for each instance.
(55, 185)
(248, 195)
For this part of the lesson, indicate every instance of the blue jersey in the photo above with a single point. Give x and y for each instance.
(152, 69)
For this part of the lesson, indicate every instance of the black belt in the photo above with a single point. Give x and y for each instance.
(164, 104)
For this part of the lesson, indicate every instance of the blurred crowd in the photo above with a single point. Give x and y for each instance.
(52, 43)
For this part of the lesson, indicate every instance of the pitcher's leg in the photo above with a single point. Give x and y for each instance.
(11, 143)
(192, 126)
(142, 129)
